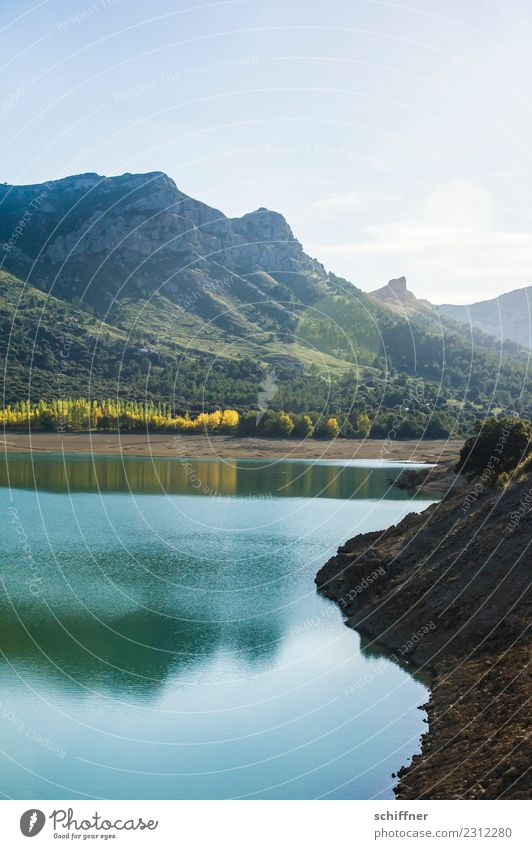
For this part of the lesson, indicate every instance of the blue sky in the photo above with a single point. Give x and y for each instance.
(395, 137)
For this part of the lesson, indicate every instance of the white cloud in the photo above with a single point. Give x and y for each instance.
(351, 201)
(459, 205)
(453, 253)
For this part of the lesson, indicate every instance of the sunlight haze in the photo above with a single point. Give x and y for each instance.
(393, 138)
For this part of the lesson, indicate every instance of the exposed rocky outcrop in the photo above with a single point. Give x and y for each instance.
(438, 479)
(398, 297)
(450, 591)
(507, 317)
(136, 234)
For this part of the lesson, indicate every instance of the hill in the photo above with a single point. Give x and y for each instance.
(125, 285)
(399, 298)
(507, 317)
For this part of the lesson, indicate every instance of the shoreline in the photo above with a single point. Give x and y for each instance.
(437, 606)
(231, 447)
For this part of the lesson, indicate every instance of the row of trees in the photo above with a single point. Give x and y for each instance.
(271, 423)
(75, 414)
(79, 414)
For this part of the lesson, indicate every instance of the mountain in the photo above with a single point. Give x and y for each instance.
(137, 235)
(507, 317)
(127, 285)
(399, 298)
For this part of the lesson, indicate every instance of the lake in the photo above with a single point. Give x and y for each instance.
(162, 638)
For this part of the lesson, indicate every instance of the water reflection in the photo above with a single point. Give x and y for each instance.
(375, 651)
(133, 654)
(229, 478)
(174, 646)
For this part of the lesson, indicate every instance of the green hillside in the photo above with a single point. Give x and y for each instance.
(133, 289)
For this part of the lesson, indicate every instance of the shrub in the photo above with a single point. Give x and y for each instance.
(278, 424)
(497, 445)
(303, 426)
(328, 429)
(247, 424)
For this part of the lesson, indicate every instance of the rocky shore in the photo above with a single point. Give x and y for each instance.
(437, 480)
(448, 591)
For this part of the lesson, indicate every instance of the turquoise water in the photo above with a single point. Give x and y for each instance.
(161, 636)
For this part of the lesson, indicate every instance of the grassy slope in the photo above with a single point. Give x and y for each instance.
(340, 332)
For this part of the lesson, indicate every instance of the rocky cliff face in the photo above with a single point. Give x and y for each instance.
(449, 590)
(398, 297)
(100, 237)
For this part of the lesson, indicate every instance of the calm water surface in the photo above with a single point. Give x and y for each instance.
(161, 636)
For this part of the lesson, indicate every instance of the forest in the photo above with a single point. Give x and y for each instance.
(80, 414)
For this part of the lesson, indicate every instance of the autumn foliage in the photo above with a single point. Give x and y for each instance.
(73, 414)
(79, 414)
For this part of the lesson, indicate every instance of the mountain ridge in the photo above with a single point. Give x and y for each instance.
(506, 317)
(176, 300)
(396, 295)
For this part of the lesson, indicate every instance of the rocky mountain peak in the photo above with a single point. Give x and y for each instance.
(139, 231)
(398, 286)
(398, 297)
(78, 181)
(263, 225)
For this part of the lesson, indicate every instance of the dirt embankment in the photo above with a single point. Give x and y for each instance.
(449, 590)
(201, 445)
(438, 480)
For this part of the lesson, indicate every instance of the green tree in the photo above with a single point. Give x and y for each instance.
(497, 445)
(303, 426)
(363, 424)
(247, 424)
(278, 424)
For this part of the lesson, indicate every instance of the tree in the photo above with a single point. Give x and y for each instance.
(303, 426)
(328, 429)
(47, 420)
(363, 424)
(497, 445)
(229, 422)
(247, 424)
(332, 428)
(278, 424)
(439, 426)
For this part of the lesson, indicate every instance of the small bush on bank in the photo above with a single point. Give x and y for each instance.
(496, 446)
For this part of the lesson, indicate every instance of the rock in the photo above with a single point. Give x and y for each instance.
(140, 230)
(435, 602)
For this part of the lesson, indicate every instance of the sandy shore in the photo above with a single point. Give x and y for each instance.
(167, 445)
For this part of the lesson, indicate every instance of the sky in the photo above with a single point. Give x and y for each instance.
(395, 137)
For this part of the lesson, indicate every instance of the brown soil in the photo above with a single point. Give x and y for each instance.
(439, 479)
(479, 721)
(449, 591)
(167, 445)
